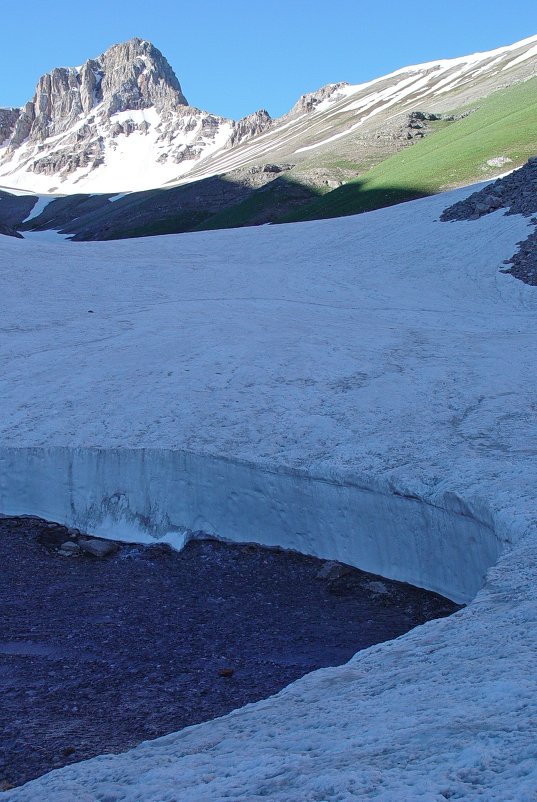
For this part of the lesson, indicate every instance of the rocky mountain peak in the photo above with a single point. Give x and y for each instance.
(135, 75)
(129, 76)
(250, 126)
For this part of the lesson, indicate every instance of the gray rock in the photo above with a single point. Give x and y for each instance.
(276, 168)
(333, 570)
(69, 549)
(98, 548)
(310, 101)
(8, 119)
(250, 126)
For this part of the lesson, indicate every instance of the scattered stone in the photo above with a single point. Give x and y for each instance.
(499, 161)
(98, 548)
(276, 168)
(333, 570)
(85, 635)
(377, 586)
(69, 549)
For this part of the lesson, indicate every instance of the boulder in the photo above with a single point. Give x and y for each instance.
(69, 549)
(98, 548)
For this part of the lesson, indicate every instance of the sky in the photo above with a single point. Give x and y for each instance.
(235, 56)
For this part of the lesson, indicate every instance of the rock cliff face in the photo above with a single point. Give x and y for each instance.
(8, 119)
(311, 101)
(133, 75)
(81, 119)
(250, 126)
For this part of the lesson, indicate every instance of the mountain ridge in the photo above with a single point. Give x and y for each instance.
(62, 144)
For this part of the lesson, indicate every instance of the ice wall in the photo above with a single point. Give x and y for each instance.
(145, 494)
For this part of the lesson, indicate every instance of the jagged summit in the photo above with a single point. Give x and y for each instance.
(129, 76)
(136, 75)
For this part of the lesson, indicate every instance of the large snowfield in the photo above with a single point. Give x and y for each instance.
(360, 388)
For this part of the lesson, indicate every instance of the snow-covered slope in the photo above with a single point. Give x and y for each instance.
(87, 127)
(321, 120)
(360, 388)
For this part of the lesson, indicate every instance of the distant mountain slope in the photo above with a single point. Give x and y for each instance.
(121, 123)
(499, 136)
(341, 150)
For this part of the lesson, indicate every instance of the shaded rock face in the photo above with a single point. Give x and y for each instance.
(8, 231)
(129, 76)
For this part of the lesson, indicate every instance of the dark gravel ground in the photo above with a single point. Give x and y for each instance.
(517, 193)
(97, 655)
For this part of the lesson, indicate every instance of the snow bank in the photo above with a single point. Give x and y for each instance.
(361, 388)
(138, 495)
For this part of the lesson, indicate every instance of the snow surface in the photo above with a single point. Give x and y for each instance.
(361, 388)
(531, 53)
(41, 204)
(49, 235)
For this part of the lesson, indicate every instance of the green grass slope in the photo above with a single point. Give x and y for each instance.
(504, 125)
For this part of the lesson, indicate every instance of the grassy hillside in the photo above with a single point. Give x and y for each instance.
(504, 125)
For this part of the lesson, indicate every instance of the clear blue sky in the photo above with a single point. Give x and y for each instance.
(235, 56)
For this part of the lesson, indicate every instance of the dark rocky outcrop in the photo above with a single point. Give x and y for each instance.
(517, 193)
(8, 231)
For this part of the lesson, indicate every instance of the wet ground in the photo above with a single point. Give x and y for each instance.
(98, 654)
